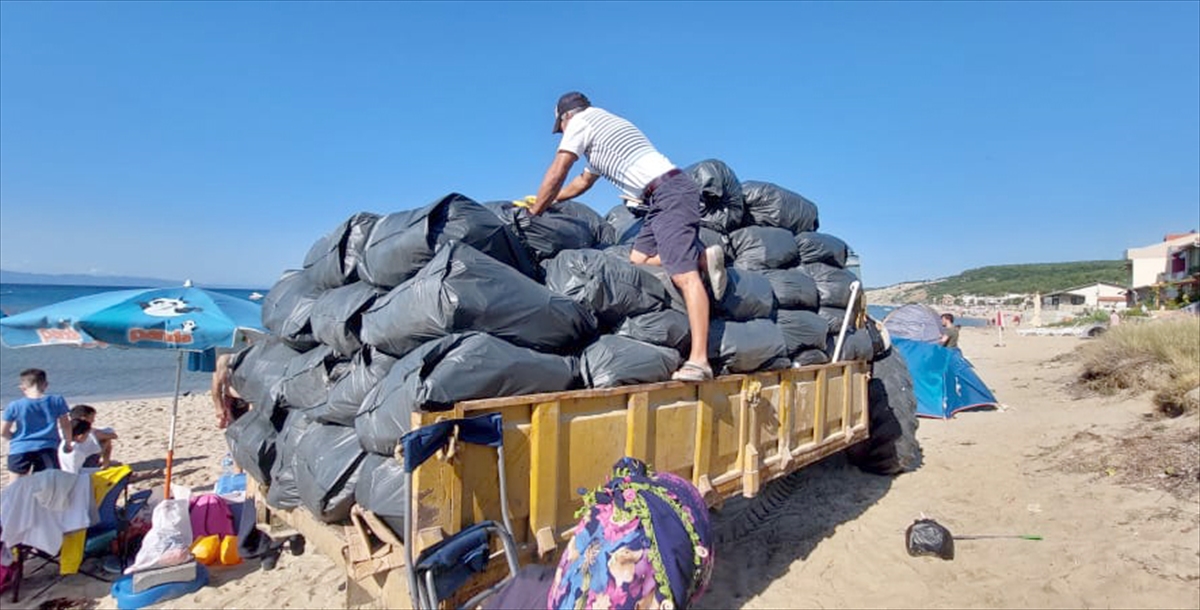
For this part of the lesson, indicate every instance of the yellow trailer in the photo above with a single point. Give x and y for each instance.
(729, 436)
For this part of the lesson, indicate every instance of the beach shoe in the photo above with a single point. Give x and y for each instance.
(714, 258)
(296, 545)
(691, 371)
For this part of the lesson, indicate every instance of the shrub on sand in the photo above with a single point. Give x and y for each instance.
(1160, 356)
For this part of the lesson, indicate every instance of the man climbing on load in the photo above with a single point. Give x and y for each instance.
(620, 152)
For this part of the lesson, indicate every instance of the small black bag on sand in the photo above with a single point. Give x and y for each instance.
(746, 347)
(382, 490)
(758, 248)
(337, 316)
(461, 290)
(287, 309)
(615, 361)
(794, 289)
(720, 194)
(458, 367)
(403, 242)
(748, 296)
(926, 537)
(802, 330)
(284, 494)
(612, 288)
(367, 369)
(770, 205)
(814, 247)
(333, 260)
(327, 467)
(259, 371)
(668, 328)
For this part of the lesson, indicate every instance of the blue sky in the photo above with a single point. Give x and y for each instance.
(218, 140)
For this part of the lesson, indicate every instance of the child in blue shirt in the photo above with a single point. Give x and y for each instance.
(41, 422)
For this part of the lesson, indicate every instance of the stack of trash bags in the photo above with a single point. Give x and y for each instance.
(459, 300)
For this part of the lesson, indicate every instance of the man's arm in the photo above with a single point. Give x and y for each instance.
(64, 428)
(6, 430)
(552, 181)
(578, 186)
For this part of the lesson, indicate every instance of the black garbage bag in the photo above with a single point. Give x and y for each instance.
(368, 367)
(625, 223)
(746, 347)
(748, 296)
(402, 243)
(855, 346)
(458, 367)
(814, 247)
(327, 467)
(284, 493)
(720, 194)
(308, 377)
(258, 371)
(793, 288)
(834, 316)
(251, 440)
(770, 205)
(758, 248)
(802, 330)
(287, 309)
(926, 537)
(462, 289)
(810, 356)
(615, 361)
(833, 284)
(566, 225)
(709, 237)
(332, 261)
(337, 316)
(612, 288)
(667, 328)
(383, 490)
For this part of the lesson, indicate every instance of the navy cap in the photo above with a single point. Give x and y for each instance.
(568, 102)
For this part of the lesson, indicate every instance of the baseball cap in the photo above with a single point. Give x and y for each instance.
(569, 101)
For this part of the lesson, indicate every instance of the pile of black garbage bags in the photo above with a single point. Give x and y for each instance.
(459, 300)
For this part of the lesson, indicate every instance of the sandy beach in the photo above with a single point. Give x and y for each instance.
(834, 536)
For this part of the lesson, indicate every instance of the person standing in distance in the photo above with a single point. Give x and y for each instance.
(620, 152)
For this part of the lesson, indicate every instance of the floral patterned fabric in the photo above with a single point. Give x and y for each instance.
(643, 541)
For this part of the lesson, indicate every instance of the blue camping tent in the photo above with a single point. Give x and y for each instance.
(943, 381)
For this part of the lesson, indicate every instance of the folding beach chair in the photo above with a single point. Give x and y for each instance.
(114, 517)
(443, 568)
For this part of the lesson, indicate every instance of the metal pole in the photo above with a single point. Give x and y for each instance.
(171, 436)
(837, 350)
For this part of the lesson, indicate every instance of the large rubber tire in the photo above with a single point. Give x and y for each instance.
(892, 447)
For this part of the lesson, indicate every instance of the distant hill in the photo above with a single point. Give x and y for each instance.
(999, 280)
(82, 279)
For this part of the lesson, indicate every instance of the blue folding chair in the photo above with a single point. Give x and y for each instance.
(443, 568)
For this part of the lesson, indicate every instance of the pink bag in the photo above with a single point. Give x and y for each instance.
(210, 516)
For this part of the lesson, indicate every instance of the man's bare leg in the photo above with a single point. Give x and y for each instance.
(696, 299)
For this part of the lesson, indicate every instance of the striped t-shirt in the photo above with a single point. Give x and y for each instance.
(615, 149)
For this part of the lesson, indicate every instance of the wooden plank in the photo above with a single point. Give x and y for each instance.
(637, 430)
(505, 401)
(820, 396)
(702, 456)
(543, 478)
(787, 403)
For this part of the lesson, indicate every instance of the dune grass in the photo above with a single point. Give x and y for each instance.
(1161, 356)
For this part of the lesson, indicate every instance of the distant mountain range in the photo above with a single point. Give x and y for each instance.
(1000, 280)
(87, 279)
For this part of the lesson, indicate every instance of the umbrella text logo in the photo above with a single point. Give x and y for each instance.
(158, 335)
(59, 335)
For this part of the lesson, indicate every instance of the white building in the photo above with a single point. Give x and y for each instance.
(1100, 295)
(1165, 269)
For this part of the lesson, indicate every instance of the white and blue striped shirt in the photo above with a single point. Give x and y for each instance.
(615, 149)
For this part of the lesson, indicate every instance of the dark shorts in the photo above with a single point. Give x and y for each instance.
(672, 227)
(33, 461)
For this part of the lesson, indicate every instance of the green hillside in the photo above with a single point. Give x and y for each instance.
(1024, 279)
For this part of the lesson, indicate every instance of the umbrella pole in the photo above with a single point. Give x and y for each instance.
(171, 436)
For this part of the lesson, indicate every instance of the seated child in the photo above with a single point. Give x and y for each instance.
(104, 437)
(85, 448)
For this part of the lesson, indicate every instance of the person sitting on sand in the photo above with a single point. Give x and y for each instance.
(228, 403)
(41, 422)
(104, 437)
(85, 448)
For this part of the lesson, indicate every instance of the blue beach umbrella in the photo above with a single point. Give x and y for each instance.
(183, 318)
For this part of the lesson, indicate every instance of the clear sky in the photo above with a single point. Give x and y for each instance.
(217, 141)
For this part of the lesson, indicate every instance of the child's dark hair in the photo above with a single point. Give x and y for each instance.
(949, 317)
(81, 411)
(33, 377)
(80, 426)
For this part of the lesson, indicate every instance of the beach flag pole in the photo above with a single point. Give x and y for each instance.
(171, 435)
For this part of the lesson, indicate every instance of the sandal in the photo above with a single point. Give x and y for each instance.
(690, 371)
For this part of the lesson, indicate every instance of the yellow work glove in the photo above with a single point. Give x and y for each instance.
(527, 202)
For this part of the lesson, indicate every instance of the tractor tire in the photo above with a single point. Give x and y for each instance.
(892, 447)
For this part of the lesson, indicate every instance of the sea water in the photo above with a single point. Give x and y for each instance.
(91, 374)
